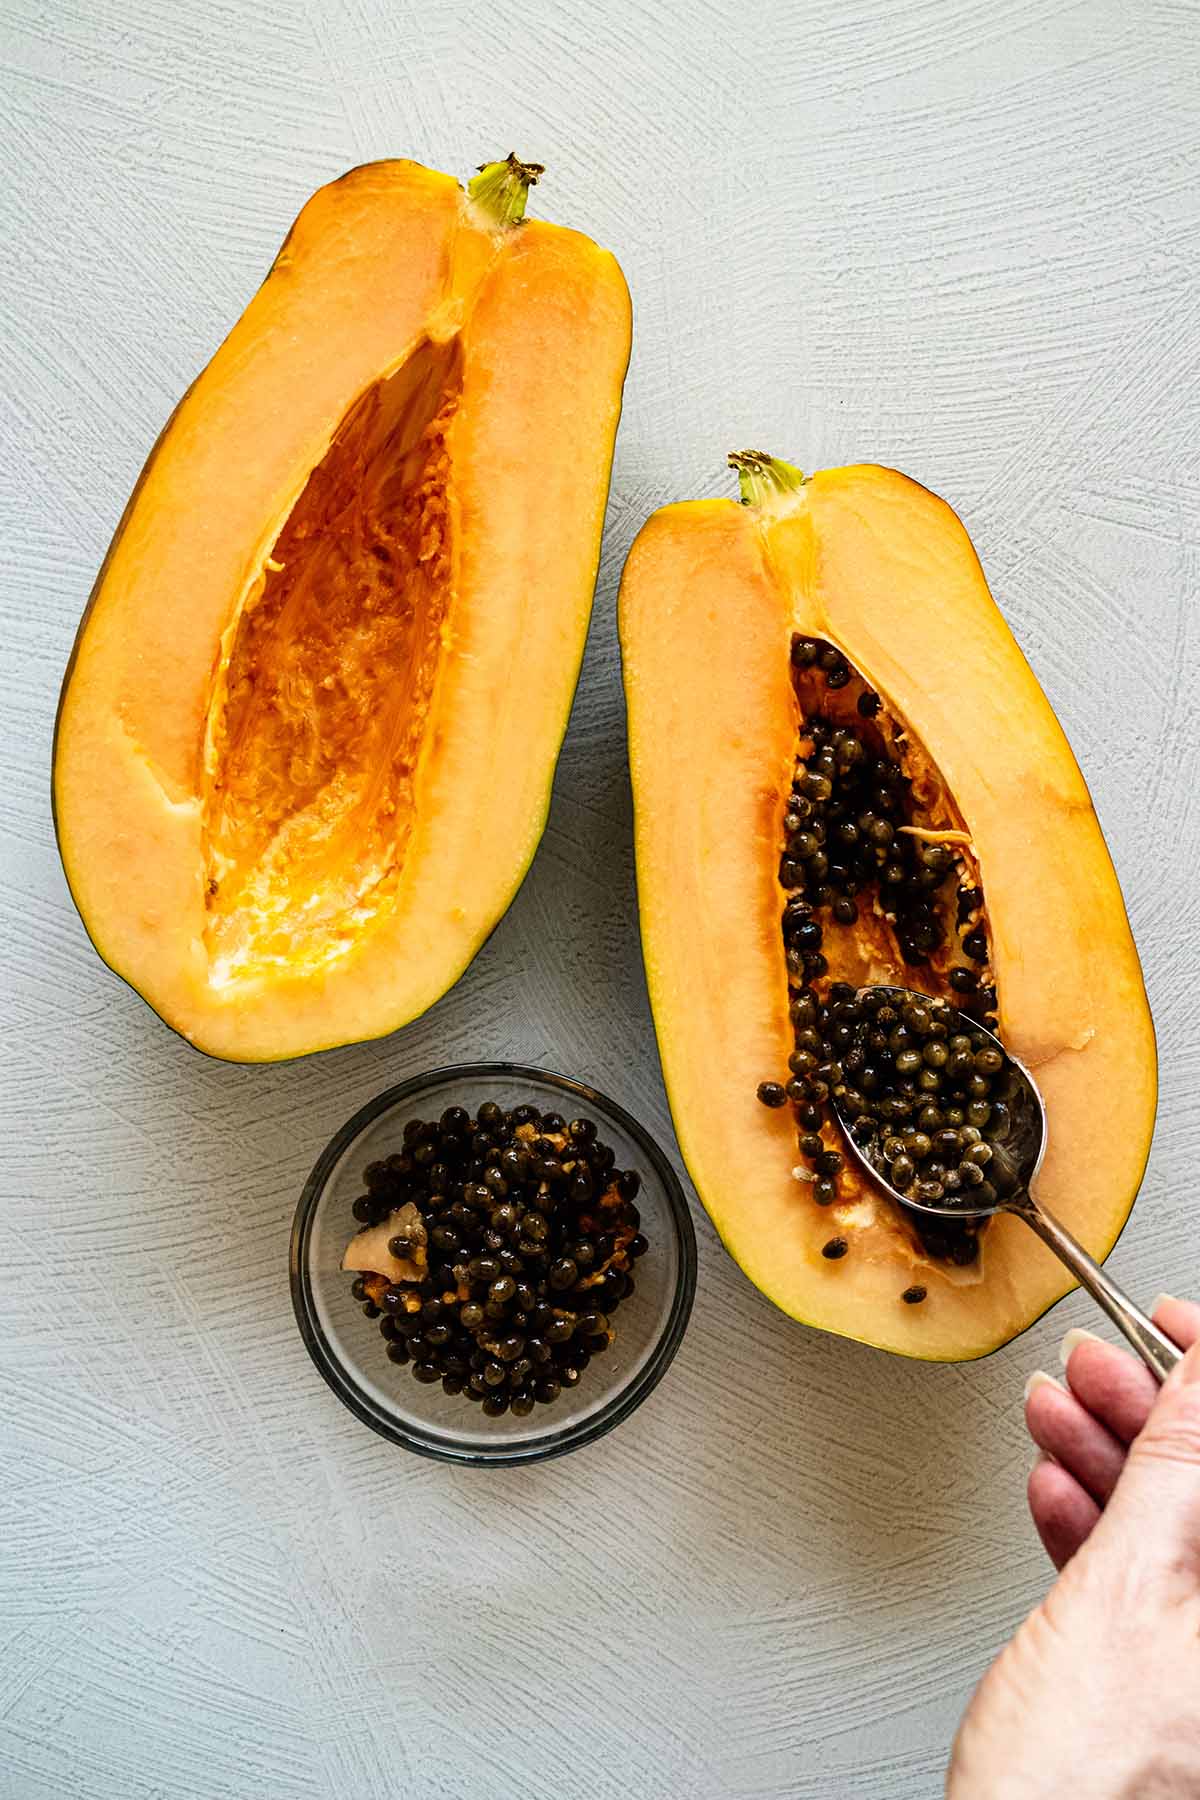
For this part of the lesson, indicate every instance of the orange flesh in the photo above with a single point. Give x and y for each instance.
(317, 723)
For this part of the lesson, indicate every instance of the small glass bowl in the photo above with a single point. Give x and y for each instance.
(348, 1349)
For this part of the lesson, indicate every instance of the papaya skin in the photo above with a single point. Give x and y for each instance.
(385, 269)
(710, 598)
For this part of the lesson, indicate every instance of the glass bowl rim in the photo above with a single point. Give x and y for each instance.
(553, 1442)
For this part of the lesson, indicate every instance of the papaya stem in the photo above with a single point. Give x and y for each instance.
(500, 189)
(761, 477)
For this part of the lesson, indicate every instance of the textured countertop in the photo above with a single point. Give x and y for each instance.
(956, 235)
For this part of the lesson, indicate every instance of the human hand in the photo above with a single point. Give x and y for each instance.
(1085, 1428)
(1098, 1694)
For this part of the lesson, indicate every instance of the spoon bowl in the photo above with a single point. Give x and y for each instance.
(1023, 1148)
(1013, 1170)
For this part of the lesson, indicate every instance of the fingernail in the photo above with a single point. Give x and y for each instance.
(1038, 1379)
(1163, 1300)
(1072, 1341)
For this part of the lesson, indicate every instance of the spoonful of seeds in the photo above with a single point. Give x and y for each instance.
(989, 1163)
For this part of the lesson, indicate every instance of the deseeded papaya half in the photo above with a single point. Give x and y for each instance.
(309, 727)
(845, 773)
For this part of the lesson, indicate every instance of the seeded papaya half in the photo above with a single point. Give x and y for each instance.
(845, 774)
(308, 732)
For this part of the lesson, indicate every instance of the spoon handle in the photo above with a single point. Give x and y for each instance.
(1153, 1346)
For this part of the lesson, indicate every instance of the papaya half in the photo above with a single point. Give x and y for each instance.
(308, 731)
(845, 774)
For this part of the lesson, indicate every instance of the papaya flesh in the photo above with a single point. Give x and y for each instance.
(309, 727)
(851, 606)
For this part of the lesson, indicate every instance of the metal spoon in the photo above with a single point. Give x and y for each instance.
(1025, 1146)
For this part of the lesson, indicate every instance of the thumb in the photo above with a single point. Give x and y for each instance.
(1158, 1495)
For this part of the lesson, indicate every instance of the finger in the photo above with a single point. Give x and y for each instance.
(1066, 1430)
(1062, 1513)
(1156, 1509)
(1115, 1387)
(1180, 1319)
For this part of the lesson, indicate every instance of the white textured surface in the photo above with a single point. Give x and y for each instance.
(957, 235)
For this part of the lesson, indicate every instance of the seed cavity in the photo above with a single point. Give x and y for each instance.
(880, 885)
(321, 704)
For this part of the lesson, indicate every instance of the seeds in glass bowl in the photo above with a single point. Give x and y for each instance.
(497, 1249)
